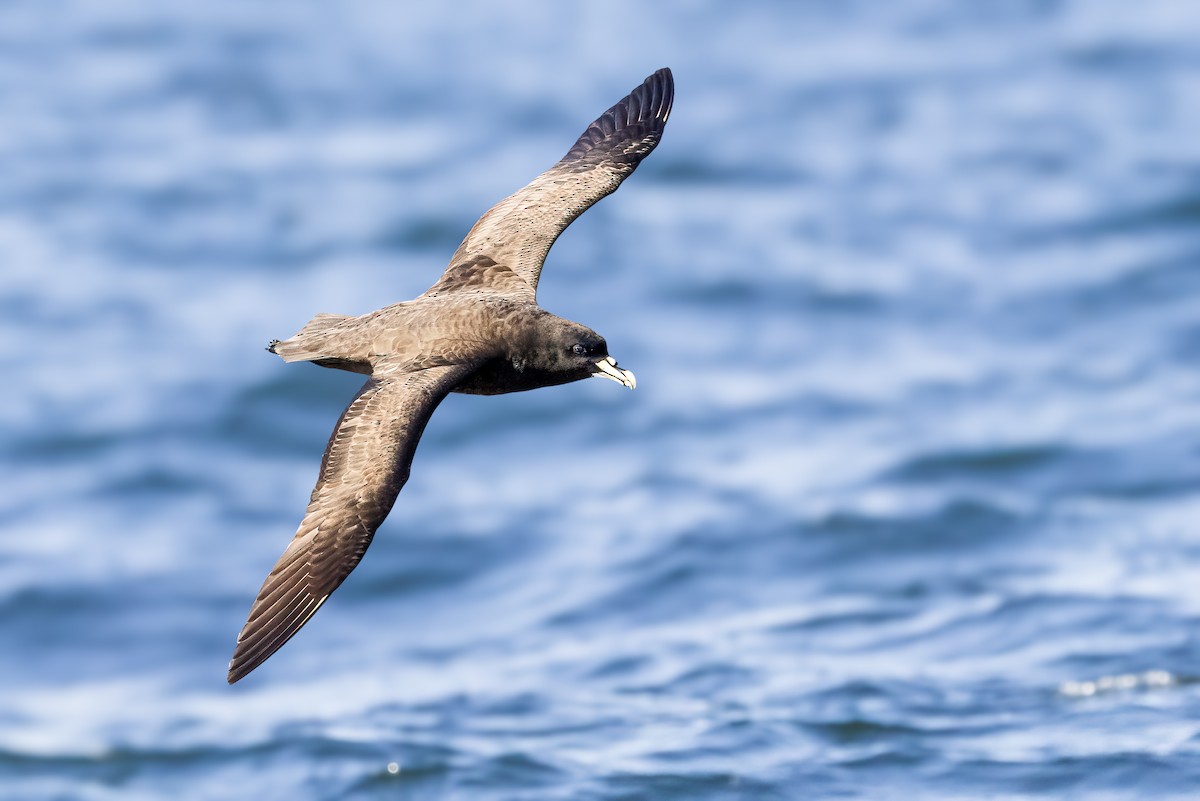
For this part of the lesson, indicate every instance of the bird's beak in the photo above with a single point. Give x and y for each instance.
(607, 368)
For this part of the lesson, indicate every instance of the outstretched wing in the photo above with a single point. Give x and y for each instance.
(504, 251)
(366, 463)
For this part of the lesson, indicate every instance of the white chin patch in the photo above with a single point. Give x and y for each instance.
(607, 368)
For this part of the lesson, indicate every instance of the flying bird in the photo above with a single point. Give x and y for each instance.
(478, 330)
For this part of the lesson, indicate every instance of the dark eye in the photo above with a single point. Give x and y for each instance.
(578, 349)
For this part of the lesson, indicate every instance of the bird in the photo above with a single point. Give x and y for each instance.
(477, 330)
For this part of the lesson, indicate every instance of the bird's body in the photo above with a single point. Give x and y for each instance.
(477, 330)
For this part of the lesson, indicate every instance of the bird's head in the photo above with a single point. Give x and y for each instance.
(571, 352)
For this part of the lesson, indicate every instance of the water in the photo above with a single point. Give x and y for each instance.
(904, 506)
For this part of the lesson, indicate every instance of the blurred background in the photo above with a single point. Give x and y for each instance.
(904, 507)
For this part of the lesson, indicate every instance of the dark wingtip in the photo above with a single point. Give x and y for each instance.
(249, 654)
(641, 114)
(271, 348)
(241, 668)
(238, 669)
(244, 662)
(662, 83)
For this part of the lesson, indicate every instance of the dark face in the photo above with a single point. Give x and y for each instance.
(567, 348)
(586, 348)
(570, 351)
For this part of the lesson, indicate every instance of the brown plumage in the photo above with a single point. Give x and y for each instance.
(477, 330)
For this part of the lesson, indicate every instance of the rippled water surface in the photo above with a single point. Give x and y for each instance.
(904, 507)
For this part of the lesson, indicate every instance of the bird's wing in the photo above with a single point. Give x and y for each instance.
(504, 251)
(366, 463)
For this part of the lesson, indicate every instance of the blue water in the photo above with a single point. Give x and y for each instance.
(905, 504)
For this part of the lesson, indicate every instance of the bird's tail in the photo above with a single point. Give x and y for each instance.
(315, 343)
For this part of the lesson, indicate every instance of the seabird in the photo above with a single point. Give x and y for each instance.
(477, 330)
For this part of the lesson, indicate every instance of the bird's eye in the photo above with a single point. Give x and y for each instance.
(578, 349)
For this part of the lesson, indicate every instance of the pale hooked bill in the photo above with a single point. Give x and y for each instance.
(608, 369)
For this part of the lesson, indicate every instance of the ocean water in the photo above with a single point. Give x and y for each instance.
(905, 504)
